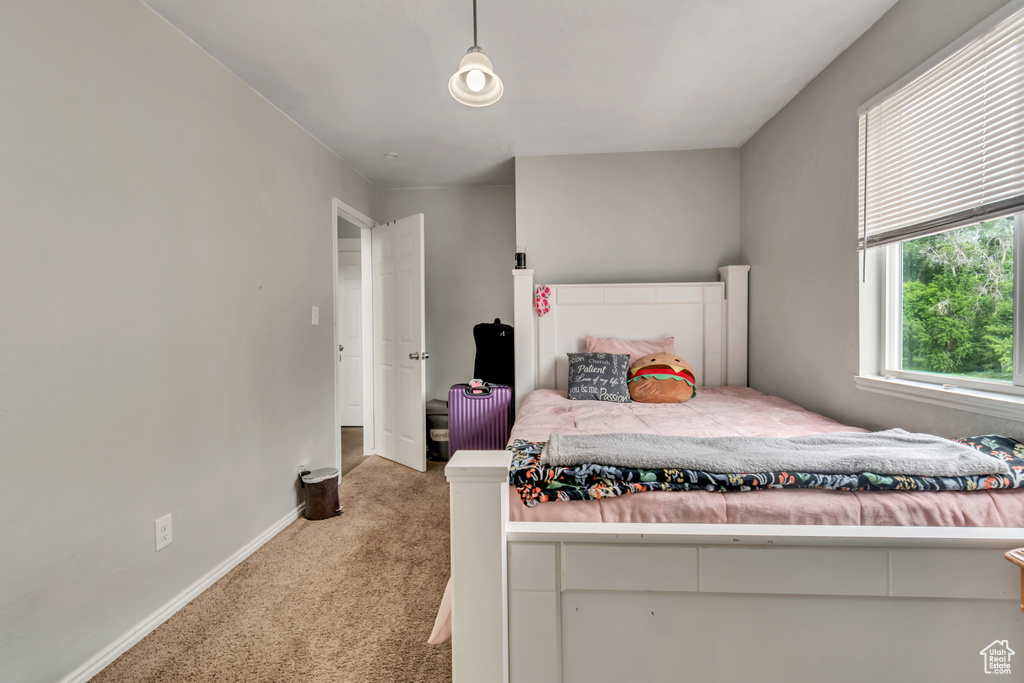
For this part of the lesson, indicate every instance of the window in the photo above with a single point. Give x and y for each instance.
(953, 306)
(941, 201)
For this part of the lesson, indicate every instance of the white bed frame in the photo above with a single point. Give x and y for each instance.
(545, 602)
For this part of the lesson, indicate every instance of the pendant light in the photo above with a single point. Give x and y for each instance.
(475, 84)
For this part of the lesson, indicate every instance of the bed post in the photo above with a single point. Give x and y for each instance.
(478, 493)
(525, 323)
(736, 279)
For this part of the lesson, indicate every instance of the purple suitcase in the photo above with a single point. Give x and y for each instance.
(479, 421)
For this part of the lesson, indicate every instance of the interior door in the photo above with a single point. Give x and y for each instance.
(350, 333)
(398, 334)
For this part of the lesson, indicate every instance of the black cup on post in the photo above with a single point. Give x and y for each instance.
(520, 258)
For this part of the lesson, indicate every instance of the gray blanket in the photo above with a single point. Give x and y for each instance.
(890, 452)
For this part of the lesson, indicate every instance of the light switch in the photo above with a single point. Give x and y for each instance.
(316, 315)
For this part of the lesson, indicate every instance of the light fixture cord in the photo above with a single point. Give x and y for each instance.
(474, 24)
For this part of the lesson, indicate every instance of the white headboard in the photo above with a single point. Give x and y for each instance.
(707, 319)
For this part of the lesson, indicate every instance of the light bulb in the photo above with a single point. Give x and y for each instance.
(475, 80)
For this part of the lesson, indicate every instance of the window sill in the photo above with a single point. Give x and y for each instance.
(1006, 406)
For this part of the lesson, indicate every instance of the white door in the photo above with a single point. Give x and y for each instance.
(350, 333)
(398, 334)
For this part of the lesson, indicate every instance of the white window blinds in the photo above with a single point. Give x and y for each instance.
(947, 149)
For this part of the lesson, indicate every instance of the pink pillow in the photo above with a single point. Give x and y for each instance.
(636, 348)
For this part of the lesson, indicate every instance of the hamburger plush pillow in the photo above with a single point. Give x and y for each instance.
(661, 378)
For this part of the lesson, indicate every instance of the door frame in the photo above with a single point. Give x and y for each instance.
(340, 209)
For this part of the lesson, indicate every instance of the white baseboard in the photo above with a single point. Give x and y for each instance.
(142, 629)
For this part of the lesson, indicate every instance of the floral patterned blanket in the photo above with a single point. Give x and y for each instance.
(538, 484)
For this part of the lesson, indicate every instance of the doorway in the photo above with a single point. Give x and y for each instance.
(350, 344)
(354, 389)
(391, 313)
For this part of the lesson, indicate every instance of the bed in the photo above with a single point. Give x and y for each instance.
(613, 590)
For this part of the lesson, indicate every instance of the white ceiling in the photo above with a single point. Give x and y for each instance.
(367, 77)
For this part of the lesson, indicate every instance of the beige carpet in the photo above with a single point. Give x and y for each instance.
(349, 599)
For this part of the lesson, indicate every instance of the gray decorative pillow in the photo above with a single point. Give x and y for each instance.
(599, 377)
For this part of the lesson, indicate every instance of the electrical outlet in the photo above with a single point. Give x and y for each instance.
(164, 534)
(316, 315)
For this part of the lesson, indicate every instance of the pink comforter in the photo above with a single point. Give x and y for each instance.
(732, 411)
(740, 411)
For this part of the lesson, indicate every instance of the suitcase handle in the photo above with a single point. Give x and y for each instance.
(484, 390)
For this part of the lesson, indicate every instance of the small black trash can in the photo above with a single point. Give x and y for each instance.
(321, 488)
(437, 429)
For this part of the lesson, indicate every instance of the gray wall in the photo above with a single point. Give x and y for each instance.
(347, 230)
(469, 253)
(164, 234)
(636, 217)
(799, 207)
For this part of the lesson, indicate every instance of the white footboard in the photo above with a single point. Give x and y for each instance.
(540, 602)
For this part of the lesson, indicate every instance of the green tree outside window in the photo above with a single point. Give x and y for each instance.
(958, 302)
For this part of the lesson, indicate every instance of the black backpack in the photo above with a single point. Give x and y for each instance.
(495, 353)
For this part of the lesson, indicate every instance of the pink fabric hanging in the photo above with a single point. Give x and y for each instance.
(540, 300)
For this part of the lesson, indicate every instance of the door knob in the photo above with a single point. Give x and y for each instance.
(341, 347)
(424, 355)
(414, 356)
